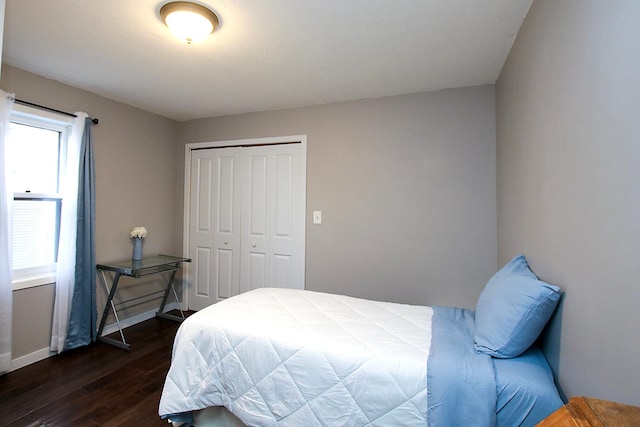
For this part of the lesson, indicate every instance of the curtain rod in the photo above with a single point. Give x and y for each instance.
(248, 145)
(43, 107)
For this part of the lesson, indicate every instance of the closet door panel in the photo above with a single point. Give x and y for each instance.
(225, 189)
(214, 238)
(286, 235)
(226, 239)
(257, 270)
(225, 274)
(255, 202)
(283, 271)
(203, 270)
(202, 218)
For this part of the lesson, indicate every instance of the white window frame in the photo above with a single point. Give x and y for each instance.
(41, 275)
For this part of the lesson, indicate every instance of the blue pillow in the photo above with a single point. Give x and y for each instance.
(512, 310)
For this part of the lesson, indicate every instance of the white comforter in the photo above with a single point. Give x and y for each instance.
(300, 358)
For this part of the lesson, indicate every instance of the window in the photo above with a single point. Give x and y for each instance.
(35, 149)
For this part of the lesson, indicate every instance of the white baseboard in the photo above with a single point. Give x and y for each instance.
(28, 359)
(38, 355)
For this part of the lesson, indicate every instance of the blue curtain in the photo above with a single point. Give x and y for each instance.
(82, 320)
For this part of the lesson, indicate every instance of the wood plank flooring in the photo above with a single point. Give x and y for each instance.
(98, 385)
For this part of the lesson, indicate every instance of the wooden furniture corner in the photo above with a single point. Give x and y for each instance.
(588, 412)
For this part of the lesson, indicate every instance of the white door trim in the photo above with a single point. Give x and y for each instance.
(302, 139)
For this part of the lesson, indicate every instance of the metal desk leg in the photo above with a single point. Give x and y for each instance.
(105, 313)
(170, 287)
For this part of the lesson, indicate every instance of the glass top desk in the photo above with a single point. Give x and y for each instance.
(144, 267)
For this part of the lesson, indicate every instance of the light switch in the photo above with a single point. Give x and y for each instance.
(317, 217)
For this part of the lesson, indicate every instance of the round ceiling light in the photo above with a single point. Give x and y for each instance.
(189, 21)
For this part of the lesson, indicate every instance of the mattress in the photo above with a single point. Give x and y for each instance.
(301, 358)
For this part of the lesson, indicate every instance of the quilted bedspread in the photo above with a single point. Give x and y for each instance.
(299, 358)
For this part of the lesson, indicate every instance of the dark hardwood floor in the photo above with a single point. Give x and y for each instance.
(98, 385)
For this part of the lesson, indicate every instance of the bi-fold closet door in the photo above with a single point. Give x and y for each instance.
(246, 220)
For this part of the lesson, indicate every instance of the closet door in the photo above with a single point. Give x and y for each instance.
(214, 226)
(247, 221)
(273, 213)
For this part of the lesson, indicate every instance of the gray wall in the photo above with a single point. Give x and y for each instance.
(406, 186)
(136, 172)
(568, 173)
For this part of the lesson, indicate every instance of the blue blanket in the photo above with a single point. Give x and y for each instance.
(461, 383)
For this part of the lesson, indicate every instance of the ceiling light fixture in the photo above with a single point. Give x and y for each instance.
(191, 22)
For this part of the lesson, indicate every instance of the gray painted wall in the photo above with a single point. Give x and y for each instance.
(568, 173)
(136, 172)
(406, 186)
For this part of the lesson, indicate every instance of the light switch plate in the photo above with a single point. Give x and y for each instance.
(317, 217)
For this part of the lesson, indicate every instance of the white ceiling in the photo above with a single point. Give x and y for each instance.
(266, 54)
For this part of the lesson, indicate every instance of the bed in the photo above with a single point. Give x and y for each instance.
(301, 358)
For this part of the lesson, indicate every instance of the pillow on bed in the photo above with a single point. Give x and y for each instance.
(512, 310)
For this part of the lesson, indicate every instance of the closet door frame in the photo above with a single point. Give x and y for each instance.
(298, 139)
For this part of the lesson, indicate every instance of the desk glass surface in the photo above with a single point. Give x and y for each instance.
(149, 264)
